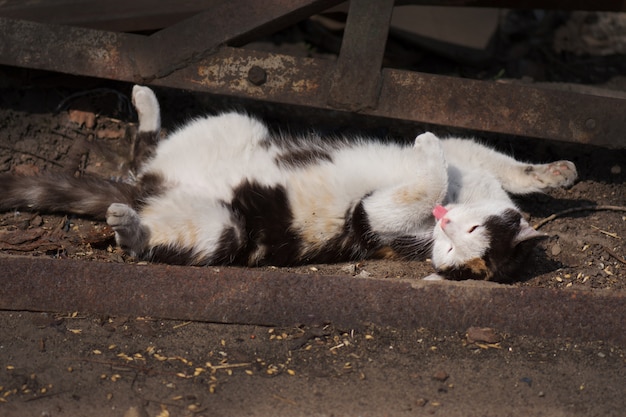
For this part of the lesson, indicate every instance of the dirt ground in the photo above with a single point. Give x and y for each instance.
(75, 364)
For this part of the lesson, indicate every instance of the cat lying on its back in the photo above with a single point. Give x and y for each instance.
(223, 190)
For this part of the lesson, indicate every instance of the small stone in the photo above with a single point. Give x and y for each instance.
(440, 375)
(482, 334)
(36, 221)
(136, 412)
(363, 274)
(26, 169)
(421, 402)
(555, 250)
(616, 170)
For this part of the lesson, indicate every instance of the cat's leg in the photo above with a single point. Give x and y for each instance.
(130, 234)
(189, 229)
(406, 207)
(529, 178)
(515, 176)
(149, 115)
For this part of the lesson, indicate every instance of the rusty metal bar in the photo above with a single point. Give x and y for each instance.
(70, 50)
(448, 101)
(232, 295)
(356, 79)
(503, 108)
(606, 5)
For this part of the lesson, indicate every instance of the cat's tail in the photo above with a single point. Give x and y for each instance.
(58, 192)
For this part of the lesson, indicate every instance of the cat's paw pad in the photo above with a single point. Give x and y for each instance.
(121, 216)
(555, 174)
(147, 107)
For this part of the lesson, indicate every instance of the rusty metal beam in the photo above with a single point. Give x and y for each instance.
(232, 295)
(356, 78)
(503, 108)
(70, 50)
(447, 101)
(606, 5)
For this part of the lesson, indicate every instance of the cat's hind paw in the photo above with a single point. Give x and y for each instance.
(130, 234)
(147, 107)
(553, 175)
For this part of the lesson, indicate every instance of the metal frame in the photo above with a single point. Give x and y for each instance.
(200, 54)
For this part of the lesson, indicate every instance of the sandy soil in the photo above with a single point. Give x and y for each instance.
(75, 364)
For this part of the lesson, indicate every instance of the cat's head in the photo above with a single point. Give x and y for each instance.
(481, 241)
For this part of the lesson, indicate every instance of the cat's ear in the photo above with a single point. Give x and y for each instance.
(526, 233)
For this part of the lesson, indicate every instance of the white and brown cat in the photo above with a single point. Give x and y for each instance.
(223, 190)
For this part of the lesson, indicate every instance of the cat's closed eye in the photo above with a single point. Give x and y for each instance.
(471, 229)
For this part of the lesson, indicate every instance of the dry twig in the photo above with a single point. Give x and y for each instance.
(576, 210)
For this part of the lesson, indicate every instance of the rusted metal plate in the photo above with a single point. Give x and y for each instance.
(231, 295)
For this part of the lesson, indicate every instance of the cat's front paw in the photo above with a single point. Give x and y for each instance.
(555, 174)
(147, 107)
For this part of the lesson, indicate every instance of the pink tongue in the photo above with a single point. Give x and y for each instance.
(439, 211)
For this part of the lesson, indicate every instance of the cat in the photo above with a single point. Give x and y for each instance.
(223, 190)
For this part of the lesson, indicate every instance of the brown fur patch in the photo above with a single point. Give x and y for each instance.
(385, 253)
(409, 194)
(478, 267)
